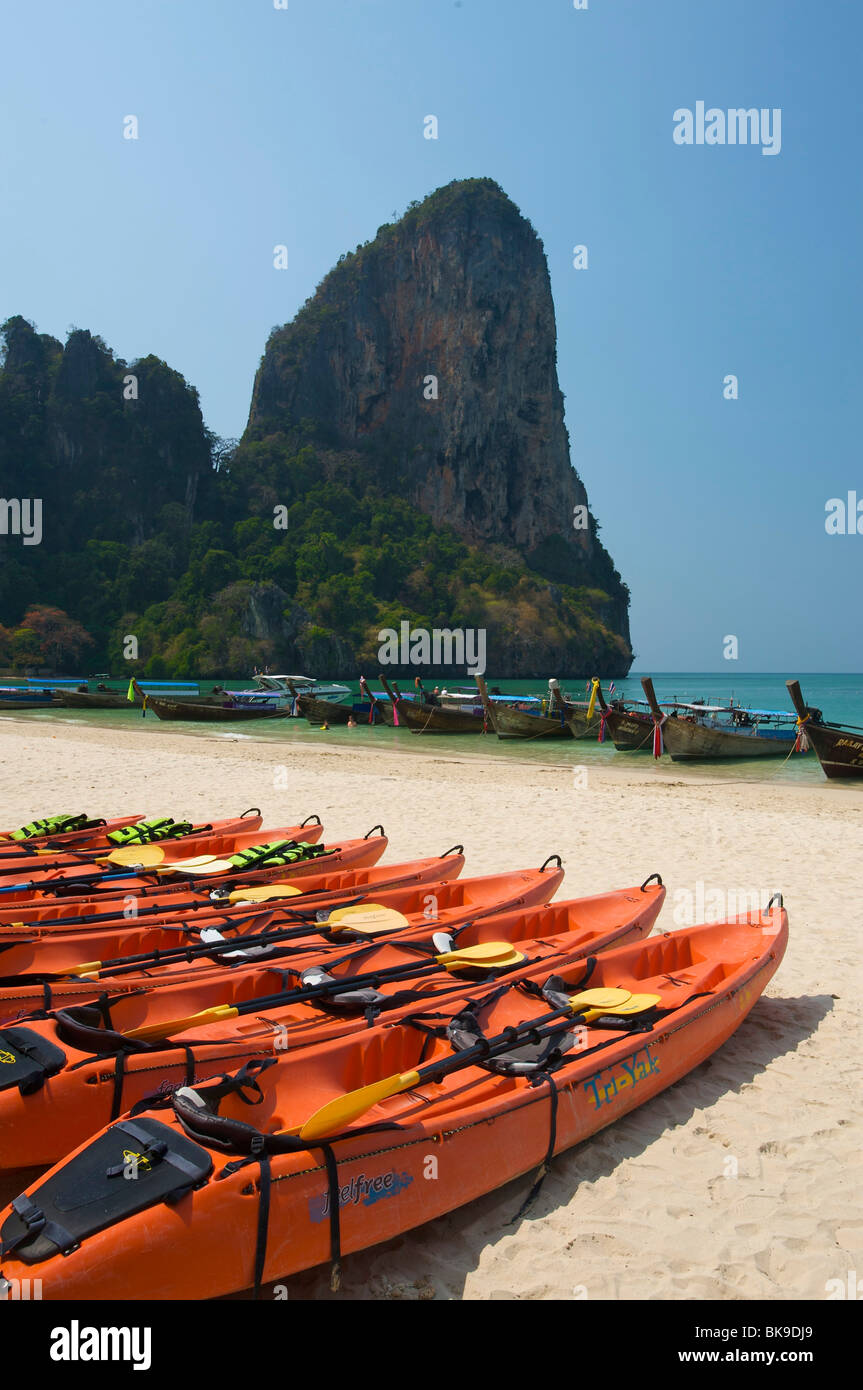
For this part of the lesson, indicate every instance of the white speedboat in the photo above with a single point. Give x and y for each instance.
(276, 690)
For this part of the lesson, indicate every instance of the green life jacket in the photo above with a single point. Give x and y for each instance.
(278, 852)
(50, 825)
(148, 831)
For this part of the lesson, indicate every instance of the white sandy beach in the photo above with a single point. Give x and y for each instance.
(650, 1208)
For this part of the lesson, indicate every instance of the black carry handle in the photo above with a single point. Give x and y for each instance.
(252, 811)
(370, 833)
(453, 849)
(552, 858)
(310, 820)
(650, 879)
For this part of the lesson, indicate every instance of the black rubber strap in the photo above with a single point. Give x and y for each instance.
(36, 1224)
(264, 1186)
(335, 1217)
(542, 1078)
(119, 1073)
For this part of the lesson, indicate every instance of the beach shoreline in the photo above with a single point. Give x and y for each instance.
(739, 1181)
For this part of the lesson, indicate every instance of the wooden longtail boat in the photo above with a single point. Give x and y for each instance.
(99, 699)
(509, 722)
(422, 718)
(692, 735)
(318, 711)
(9, 706)
(378, 711)
(207, 713)
(630, 730)
(583, 721)
(838, 747)
(333, 1156)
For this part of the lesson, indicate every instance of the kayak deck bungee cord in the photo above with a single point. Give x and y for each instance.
(58, 953)
(296, 1161)
(78, 1068)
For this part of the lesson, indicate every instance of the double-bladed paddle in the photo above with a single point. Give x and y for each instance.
(585, 1007)
(488, 955)
(368, 919)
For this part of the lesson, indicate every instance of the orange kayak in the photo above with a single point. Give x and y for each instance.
(21, 995)
(109, 914)
(90, 1071)
(94, 871)
(444, 905)
(75, 894)
(193, 839)
(290, 1163)
(92, 833)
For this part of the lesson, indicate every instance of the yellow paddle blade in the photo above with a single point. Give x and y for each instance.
(600, 998)
(151, 1032)
(368, 919)
(635, 1004)
(333, 1116)
(87, 969)
(202, 864)
(490, 954)
(136, 854)
(264, 892)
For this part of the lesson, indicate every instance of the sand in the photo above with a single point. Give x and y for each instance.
(740, 1181)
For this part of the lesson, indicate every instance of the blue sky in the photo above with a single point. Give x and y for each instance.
(304, 126)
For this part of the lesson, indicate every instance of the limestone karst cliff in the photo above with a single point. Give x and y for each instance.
(407, 425)
(429, 356)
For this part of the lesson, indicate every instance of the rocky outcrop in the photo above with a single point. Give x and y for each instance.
(428, 358)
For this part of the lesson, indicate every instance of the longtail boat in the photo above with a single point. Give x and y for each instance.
(422, 718)
(706, 733)
(582, 716)
(508, 721)
(838, 747)
(98, 699)
(319, 711)
(629, 723)
(208, 713)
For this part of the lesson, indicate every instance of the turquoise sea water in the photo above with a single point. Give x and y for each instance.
(840, 697)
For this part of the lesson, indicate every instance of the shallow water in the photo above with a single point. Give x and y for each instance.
(840, 697)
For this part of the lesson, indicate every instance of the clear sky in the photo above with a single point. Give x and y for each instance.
(304, 126)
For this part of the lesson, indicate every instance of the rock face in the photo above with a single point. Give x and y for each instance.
(104, 464)
(428, 358)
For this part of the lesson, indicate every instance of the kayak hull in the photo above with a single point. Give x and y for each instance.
(58, 952)
(456, 1140)
(90, 1090)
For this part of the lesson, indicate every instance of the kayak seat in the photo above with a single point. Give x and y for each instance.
(27, 1060)
(465, 1032)
(91, 1191)
(81, 1027)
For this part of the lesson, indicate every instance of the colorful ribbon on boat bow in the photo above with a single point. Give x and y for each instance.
(801, 743)
(658, 745)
